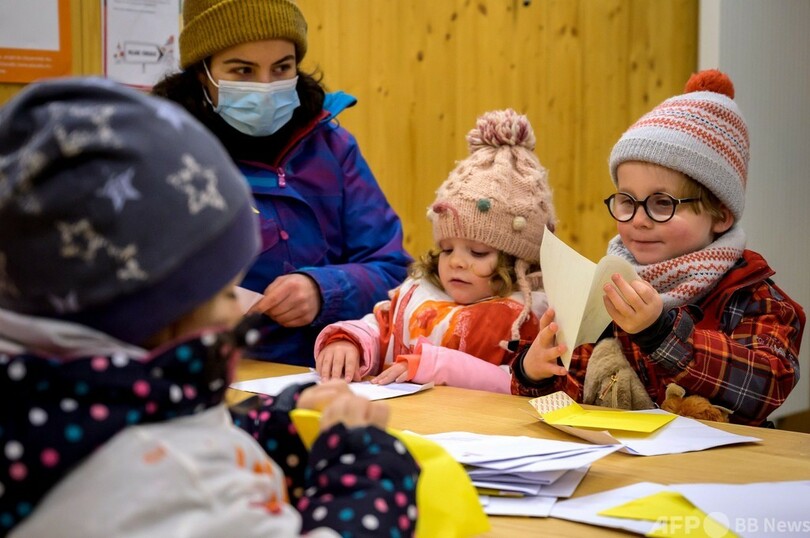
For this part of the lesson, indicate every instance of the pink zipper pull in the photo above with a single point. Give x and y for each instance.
(282, 178)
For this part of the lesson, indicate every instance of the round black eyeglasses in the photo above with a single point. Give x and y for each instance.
(659, 206)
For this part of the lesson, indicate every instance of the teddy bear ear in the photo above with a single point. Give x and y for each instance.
(675, 391)
(723, 410)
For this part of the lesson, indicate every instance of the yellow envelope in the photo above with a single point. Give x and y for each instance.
(574, 415)
(446, 499)
(678, 516)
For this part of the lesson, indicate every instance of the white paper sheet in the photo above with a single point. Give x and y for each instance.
(246, 298)
(541, 478)
(520, 506)
(761, 509)
(574, 285)
(29, 24)
(140, 40)
(275, 385)
(585, 509)
(517, 454)
(564, 486)
(679, 436)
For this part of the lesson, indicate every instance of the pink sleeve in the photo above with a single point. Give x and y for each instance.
(365, 335)
(455, 368)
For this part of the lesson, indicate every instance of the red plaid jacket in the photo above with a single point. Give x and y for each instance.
(739, 349)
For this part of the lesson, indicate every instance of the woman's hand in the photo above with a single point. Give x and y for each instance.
(292, 300)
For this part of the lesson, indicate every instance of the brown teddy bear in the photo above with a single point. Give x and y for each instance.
(692, 406)
(610, 381)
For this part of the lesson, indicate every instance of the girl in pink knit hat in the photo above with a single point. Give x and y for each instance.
(705, 313)
(469, 303)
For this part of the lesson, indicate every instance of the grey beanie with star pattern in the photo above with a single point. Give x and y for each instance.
(118, 210)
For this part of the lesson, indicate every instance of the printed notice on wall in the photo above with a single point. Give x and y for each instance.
(140, 40)
(34, 39)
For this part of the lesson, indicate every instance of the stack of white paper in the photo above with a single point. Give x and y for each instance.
(524, 476)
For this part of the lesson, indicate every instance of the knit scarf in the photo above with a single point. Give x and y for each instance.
(54, 413)
(688, 278)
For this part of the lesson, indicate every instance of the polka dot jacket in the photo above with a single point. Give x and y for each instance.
(109, 445)
(361, 481)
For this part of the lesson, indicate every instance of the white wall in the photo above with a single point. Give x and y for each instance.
(764, 46)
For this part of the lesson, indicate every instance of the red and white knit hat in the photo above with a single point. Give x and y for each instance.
(701, 133)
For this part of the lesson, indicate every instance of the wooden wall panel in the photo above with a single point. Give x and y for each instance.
(88, 38)
(423, 70)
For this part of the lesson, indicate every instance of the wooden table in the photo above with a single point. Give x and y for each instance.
(782, 455)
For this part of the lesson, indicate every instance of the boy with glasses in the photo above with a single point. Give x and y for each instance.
(705, 313)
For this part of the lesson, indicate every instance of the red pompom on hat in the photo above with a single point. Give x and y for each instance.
(710, 80)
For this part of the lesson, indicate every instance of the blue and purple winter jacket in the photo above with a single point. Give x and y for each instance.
(323, 214)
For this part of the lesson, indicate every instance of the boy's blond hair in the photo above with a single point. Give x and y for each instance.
(709, 202)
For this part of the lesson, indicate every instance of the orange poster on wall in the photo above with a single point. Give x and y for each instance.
(34, 39)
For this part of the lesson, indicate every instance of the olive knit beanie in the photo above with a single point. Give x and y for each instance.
(210, 26)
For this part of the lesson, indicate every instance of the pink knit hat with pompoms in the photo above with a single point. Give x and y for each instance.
(499, 195)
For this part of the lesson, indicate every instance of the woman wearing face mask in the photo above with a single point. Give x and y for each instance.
(332, 244)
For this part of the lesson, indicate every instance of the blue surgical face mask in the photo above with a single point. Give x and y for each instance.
(256, 108)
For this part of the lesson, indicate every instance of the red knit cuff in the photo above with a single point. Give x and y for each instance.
(413, 363)
(341, 337)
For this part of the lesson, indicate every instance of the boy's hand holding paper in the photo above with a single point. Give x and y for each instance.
(574, 286)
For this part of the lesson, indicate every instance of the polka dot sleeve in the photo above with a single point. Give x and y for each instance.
(267, 419)
(360, 482)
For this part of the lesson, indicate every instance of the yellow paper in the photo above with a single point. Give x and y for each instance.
(447, 501)
(574, 415)
(678, 516)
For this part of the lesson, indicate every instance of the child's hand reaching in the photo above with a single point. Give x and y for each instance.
(354, 412)
(317, 397)
(638, 309)
(337, 403)
(396, 373)
(338, 360)
(540, 362)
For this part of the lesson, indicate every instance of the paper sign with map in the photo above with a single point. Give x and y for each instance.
(574, 285)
